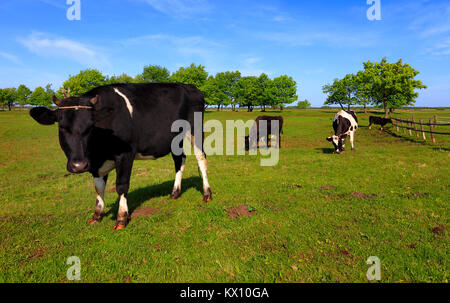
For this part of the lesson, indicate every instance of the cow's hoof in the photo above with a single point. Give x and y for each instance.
(207, 196)
(119, 226)
(175, 194)
(95, 218)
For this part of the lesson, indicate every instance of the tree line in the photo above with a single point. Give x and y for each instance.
(224, 89)
(381, 84)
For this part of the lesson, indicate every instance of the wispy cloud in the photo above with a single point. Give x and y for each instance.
(180, 8)
(314, 38)
(11, 58)
(249, 67)
(47, 46)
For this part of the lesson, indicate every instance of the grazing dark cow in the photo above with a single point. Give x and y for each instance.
(256, 131)
(110, 126)
(379, 121)
(345, 123)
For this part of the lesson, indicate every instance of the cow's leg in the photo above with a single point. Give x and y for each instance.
(179, 169)
(352, 133)
(203, 167)
(100, 185)
(124, 165)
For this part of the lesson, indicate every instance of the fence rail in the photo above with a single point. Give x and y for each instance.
(412, 125)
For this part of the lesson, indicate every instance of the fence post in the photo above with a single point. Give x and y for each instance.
(431, 131)
(421, 128)
(404, 128)
(409, 127)
(415, 127)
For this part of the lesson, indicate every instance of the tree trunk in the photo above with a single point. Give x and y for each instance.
(264, 108)
(249, 108)
(365, 108)
(9, 106)
(218, 108)
(385, 109)
(281, 108)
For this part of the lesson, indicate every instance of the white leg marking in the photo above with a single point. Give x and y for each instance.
(100, 189)
(179, 176)
(130, 108)
(351, 138)
(123, 206)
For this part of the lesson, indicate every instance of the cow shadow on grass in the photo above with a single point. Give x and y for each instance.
(325, 150)
(138, 196)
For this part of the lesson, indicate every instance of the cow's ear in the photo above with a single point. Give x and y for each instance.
(56, 100)
(95, 100)
(330, 139)
(43, 115)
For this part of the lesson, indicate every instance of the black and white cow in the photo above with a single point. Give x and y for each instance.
(345, 124)
(110, 126)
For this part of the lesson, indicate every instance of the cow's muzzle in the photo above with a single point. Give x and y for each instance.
(77, 167)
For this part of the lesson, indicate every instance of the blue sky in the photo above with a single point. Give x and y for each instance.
(312, 41)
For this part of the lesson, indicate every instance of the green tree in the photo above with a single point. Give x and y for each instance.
(303, 104)
(226, 82)
(247, 91)
(84, 82)
(283, 90)
(342, 91)
(212, 92)
(264, 97)
(123, 78)
(40, 97)
(193, 74)
(153, 74)
(392, 85)
(22, 95)
(7, 97)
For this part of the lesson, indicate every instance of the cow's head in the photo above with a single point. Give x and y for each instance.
(75, 118)
(337, 142)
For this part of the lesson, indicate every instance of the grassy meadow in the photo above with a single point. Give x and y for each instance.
(315, 217)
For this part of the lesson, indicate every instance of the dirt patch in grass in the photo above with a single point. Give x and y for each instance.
(438, 230)
(328, 187)
(144, 212)
(240, 211)
(345, 252)
(412, 245)
(421, 195)
(363, 196)
(111, 190)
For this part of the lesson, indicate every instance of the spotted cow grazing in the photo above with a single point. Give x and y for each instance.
(110, 126)
(378, 121)
(345, 123)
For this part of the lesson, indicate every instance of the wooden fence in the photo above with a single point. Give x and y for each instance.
(418, 127)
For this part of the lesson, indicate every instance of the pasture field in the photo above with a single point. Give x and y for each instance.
(315, 217)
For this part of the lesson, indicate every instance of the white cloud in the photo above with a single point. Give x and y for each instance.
(11, 58)
(47, 46)
(180, 8)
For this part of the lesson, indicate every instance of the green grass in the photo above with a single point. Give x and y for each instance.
(301, 233)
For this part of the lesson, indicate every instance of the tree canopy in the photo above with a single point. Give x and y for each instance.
(384, 84)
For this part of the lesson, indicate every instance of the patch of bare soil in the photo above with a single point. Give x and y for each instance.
(412, 245)
(344, 252)
(439, 230)
(421, 195)
(328, 187)
(111, 190)
(363, 196)
(240, 211)
(144, 212)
